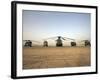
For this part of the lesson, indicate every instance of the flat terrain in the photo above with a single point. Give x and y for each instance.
(54, 57)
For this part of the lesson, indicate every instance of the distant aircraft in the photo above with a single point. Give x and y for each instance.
(29, 42)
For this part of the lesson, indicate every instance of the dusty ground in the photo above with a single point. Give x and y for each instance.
(53, 57)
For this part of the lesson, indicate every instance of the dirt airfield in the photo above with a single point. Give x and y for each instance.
(55, 57)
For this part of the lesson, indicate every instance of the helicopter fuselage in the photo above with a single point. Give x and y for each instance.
(59, 42)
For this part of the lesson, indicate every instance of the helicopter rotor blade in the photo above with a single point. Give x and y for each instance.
(63, 38)
(68, 38)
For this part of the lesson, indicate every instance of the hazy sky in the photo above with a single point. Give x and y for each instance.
(38, 25)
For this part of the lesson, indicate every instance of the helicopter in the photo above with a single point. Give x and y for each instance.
(45, 43)
(86, 42)
(28, 43)
(73, 42)
(59, 41)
